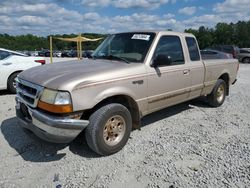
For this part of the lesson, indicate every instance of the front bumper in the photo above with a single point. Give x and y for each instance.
(50, 128)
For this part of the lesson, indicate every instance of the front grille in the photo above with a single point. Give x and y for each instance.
(28, 92)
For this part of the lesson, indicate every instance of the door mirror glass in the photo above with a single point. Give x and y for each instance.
(168, 52)
(161, 59)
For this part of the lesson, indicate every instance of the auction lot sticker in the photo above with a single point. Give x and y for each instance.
(141, 37)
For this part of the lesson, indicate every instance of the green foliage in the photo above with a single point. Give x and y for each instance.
(223, 33)
(23, 42)
(31, 43)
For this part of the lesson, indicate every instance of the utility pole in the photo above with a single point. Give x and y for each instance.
(50, 42)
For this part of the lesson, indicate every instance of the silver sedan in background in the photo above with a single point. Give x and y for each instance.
(215, 54)
(244, 55)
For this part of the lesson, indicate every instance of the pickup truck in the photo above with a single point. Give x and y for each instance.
(11, 64)
(130, 75)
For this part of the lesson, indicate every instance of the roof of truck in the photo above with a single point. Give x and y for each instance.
(160, 32)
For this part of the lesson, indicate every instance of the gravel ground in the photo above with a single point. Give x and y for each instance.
(188, 145)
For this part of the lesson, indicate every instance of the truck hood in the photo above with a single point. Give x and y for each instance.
(66, 75)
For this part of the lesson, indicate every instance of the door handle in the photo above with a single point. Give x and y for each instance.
(186, 71)
(7, 63)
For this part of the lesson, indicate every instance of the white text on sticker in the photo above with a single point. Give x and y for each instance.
(141, 37)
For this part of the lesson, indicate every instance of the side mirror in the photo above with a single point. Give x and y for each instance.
(161, 59)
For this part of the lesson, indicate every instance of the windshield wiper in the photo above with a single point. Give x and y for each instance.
(111, 57)
(118, 58)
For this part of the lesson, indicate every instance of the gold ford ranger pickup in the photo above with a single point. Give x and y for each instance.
(129, 76)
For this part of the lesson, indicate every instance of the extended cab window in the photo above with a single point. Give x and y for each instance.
(193, 49)
(170, 46)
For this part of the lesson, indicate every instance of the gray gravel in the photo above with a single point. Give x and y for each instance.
(188, 145)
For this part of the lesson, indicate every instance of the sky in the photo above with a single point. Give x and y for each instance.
(45, 17)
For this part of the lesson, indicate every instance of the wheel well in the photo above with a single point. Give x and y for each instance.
(245, 58)
(14, 73)
(125, 100)
(11, 75)
(225, 77)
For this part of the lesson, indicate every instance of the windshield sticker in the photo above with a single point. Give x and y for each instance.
(141, 37)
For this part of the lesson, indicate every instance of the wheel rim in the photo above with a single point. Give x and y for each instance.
(220, 93)
(14, 83)
(114, 130)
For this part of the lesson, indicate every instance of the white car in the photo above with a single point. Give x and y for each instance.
(11, 64)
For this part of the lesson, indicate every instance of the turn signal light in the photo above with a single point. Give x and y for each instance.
(55, 108)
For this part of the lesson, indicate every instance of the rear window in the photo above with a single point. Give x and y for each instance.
(244, 51)
(4, 54)
(193, 49)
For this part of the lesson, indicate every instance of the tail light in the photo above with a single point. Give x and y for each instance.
(42, 61)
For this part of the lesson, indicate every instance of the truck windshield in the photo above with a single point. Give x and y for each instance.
(127, 47)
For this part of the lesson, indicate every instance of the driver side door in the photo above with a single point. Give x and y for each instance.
(168, 82)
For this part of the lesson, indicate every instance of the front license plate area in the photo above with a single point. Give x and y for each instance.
(17, 105)
(25, 111)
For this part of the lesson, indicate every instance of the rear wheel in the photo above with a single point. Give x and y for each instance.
(109, 129)
(218, 95)
(11, 84)
(246, 60)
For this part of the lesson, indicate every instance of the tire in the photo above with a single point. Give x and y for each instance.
(109, 129)
(217, 97)
(246, 60)
(11, 84)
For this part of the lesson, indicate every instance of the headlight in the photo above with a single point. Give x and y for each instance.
(55, 101)
(56, 97)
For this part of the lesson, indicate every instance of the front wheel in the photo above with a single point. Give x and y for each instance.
(218, 95)
(109, 129)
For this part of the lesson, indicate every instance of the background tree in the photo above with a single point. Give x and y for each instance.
(223, 33)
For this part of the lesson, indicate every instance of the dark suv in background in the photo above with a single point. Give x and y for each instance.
(230, 49)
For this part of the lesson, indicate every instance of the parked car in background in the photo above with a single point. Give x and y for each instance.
(44, 53)
(11, 64)
(231, 49)
(57, 53)
(87, 53)
(64, 54)
(244, 56)
(34, 53)
(71, 53)
(26, 53)
(215, 54)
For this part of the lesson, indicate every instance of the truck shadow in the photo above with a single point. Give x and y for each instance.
(31, 148)
(173, 110)
(5, 92)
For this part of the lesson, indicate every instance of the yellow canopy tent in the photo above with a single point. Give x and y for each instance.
(79, 39)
